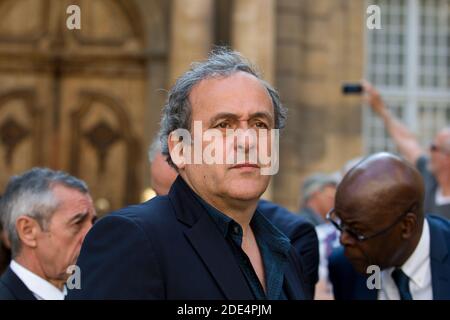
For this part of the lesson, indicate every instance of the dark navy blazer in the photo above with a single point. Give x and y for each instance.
(12, 288)
(348, 284)
(302, 235)
(167, 248)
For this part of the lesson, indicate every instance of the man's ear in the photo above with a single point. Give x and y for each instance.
(27, 229)
(409, 225)
(176, 150)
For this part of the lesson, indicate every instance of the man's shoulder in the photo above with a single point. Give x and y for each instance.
(340, 265)
(151, 211)
(440, 223)
(282, 217)
(136, 221)
(5, 291)
(341, 270)
(12, 288)
(337, 258)
(347, 283)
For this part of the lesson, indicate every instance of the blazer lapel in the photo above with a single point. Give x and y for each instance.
(17, 287)
(217, 256)
(209, 244)
(440, 266)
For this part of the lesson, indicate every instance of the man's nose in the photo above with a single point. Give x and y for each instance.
(346, 239)
(246, 139)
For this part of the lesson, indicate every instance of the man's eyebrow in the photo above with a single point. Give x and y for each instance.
(262, 115)
(347, 222)
(358, 225)
(223, 115)
(232, 116)
(78, 217)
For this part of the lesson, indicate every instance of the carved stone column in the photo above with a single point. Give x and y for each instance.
(253, 33)
(191, 34)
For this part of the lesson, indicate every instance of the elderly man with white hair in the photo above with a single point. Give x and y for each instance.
(46, 215)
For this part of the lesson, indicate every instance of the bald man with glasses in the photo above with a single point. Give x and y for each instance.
(379, 212)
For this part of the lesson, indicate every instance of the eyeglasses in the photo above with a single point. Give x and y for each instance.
(331, 216)
(436, 148)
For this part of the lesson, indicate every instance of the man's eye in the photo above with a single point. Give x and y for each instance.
(355, 232)
(261, 125)
(78, 223)
(76, 227)
(223, 125)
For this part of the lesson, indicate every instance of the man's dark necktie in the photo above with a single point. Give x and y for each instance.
(402, 282)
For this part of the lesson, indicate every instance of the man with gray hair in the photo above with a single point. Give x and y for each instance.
(46, 215)
(318, 192)
(206, 239)
(301, 233)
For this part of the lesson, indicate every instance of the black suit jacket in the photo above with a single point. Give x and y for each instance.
(303, 238)
(12, 288)
(166, 248)
(348, 284)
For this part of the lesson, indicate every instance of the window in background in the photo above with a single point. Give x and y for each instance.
(408, 60)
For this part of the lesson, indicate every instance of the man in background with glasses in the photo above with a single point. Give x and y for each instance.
(434, 168)
(379, 212)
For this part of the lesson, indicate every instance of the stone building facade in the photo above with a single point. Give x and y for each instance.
(88, 101)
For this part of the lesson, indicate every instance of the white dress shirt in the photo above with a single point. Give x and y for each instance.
(417, 268)
(40, 288)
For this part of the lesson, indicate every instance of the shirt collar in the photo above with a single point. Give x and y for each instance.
(41, 289)
(275, 239)
(222, 221)
(264, 230)
(416, 265)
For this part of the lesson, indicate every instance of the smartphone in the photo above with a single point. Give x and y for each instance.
(352, 88)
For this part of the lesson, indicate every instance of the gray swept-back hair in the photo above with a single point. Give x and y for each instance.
(221, 62)
(30, 194)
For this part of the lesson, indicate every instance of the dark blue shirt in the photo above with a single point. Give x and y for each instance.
(273, 245)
